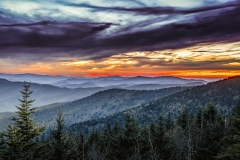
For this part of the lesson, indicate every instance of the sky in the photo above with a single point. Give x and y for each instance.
(184, 38)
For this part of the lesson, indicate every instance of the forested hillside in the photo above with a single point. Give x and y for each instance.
(101, 104)
(207, 135)
(98, 105)
(43, 93)
(223, 94)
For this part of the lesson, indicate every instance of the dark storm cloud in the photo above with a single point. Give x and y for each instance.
(101, 40)
(152, 10)
(50, 34)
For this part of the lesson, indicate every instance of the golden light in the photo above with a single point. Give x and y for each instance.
(203, 60)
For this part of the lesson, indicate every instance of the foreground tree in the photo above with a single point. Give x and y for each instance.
(60, 142)
(131, 137)
(160, 141)
(231, 142)
(19, 138)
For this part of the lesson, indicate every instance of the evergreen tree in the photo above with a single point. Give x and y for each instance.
(182, 120)
(20, 137)
(213, 130)
(115, 150)
(161, 147)
(107, 137)
(210, 113)
(130, 141)
(169, 122)
(60, 141)
(199, 118)
(145, 143)
(79, 147)
(232, 141)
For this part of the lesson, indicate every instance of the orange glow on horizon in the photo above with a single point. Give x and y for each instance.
(178, 73)
(219, 60)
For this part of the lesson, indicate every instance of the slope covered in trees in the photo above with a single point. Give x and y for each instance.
(98, 105)
(101, 104)
(223, 94)
(43, 93)
(206, 134)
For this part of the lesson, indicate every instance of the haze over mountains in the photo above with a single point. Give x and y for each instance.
(43, 94)
(224, 94)
(53, 92)
(110, 106)
(108, 81)
(98, 105)
(54, 89)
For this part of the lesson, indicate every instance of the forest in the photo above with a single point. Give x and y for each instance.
(208, 134)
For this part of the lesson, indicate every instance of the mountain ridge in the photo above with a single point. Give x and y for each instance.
(106, 81)
(98, 105)
(191, 99)
(43, 93)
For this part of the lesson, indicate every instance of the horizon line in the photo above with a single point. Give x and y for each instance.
(117, 75)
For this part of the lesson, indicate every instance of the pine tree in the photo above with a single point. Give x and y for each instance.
(232, 141)
(169, 122)
(182, 120)
(162, 141)
(95, 146)
(199, 118)
(145, 143)
(10, 144)
(107, 137)
(210, 113)
(115, 150)
(20, 137)
(212, 132)
(131, 138)
(59, 144)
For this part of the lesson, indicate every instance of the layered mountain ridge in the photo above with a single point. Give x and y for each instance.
(224, 94)
(107, 82)
(98, 105)
(43, 94)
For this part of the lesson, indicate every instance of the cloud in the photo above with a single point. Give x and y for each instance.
(151, 10)
(98, 40)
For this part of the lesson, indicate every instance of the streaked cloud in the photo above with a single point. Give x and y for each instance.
(127, 37)
(204, 60)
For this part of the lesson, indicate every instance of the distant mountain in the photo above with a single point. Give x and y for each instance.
(129, 82)
(224, 94)
(98, 105)
(82, 85)
(44, 94)
(63, 89)
(72, 80)
(34, 78)
(108, 81)
(6, 114)
(3, 81)
(159, 86)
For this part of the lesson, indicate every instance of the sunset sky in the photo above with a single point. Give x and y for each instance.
(184, 38)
